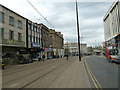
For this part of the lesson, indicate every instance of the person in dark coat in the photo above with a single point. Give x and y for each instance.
(43, 57)
(67, 57)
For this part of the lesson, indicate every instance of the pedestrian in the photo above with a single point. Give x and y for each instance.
(67, 57)
(43, 57)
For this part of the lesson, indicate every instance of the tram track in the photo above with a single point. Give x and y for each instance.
(43, 75)
(22, 68)
(43, 67)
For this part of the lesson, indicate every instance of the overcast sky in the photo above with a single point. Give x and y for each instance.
(62, 16)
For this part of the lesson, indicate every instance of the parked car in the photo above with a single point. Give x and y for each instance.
(23, 60)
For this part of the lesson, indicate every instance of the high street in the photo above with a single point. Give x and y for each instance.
(54, 73)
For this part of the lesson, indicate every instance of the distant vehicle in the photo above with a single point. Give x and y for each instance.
(24, 60)
(37, 58)
(112, 52)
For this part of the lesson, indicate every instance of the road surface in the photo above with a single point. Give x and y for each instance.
(105, 72)
(54, 73)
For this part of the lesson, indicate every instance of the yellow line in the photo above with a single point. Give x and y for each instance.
(91, 76)
(95, 78)
(96, 83)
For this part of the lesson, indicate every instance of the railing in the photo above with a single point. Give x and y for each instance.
(12, 42)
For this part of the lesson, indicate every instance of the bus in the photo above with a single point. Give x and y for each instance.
(112, 47)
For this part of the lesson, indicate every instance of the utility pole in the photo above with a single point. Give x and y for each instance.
(78, 31)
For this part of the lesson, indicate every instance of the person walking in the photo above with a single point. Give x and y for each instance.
(43, 57)
(67, 57)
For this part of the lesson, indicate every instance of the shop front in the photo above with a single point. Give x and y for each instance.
(35, 51)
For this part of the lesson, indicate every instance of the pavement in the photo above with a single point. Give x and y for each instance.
(54, 73)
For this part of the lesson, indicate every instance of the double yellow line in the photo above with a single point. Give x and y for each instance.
(94, 80)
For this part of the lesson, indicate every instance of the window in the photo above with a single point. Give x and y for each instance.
(34, 28)
(11, 20)
(19, 24)
(30, 38)
(19, 36)
(29, 26)
(38, 30)
(11, 35)
(33, 39)
(1, 32)
(36, 39)
(2, 17)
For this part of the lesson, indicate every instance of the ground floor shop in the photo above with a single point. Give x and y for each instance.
(10, 54)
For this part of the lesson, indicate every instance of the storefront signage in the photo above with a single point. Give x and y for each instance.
(46, 48)
(35, 45)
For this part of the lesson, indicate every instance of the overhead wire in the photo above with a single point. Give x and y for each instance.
(40, 13)
(74, 9)
(59, 14)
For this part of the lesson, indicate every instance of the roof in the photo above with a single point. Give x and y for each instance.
(110, 9)
(12, 11)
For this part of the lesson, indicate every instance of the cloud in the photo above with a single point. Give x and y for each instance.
(63, 16)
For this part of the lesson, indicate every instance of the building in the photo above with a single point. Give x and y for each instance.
(72, 48)
(56, 43)
(33, 39)
(112, 21)
(89, 50)
(12, 33)
(21, 36)
(45, 39)
(112, 31)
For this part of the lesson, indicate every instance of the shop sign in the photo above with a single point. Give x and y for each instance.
(46, 48)
(35, 45)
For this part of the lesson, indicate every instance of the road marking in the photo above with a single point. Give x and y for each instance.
(14, 85)
(91, 76)
(87, 77)
(96, 83)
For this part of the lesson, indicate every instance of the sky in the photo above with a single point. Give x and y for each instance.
(62, 16)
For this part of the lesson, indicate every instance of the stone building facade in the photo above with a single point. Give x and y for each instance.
(56, 43)
(12, 33)
(21, 36)
(45, 39)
